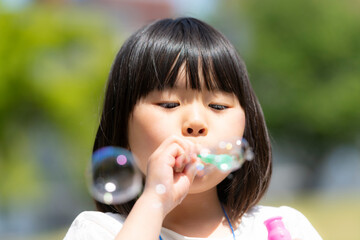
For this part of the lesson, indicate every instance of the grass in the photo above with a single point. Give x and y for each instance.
(336, 217)
(54, 235)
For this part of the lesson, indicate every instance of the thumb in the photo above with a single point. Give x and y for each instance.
(190, 170)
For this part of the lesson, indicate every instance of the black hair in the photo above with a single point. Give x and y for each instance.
(151, 59)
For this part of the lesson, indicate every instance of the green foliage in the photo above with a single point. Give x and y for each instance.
(303, 58)
(53, 66)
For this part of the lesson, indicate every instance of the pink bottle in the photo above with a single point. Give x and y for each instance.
(276, 229)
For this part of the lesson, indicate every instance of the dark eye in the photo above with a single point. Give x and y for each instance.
(168, 104)
(218, 106)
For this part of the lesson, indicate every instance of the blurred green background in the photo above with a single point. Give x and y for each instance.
(303, 58)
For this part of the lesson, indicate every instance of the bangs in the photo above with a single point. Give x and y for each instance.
(199, 72)
(169, 47)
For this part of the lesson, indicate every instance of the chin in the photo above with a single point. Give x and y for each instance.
(207, 182)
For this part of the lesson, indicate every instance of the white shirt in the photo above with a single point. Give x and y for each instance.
(105, 226)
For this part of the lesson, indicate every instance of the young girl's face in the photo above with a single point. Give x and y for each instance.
(202, 117)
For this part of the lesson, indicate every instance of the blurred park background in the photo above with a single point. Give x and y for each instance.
(303, 58)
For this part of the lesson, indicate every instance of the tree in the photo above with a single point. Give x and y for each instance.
(54, 62)
(303, 58)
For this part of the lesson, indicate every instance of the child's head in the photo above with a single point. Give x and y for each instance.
(152, 59)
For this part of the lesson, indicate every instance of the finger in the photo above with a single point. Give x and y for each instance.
(188, 146)
(183, 160)
(190, 171)
(182, 154)
(183, 180)
(177, 153)
(180, 163)
(163, 157)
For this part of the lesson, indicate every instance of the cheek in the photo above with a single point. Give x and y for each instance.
(146, 133)
(233, 124)
(140, 142)
(241, 123)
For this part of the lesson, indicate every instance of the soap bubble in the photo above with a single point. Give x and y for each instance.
(160, 189)
(113, 176)
(227, 155)
(200, 166)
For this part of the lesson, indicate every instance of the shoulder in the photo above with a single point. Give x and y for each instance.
(95, 225)
(266, 212)
(297, 224)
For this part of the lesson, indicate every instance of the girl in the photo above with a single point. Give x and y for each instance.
(175, 85)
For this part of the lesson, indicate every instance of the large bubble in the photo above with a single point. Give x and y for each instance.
(113, 177)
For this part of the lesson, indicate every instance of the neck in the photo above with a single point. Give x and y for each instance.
(188, 217)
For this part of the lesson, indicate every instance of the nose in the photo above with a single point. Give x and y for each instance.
(194, 126)
(194, 129)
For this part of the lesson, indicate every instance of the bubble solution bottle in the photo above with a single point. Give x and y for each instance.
(276, 229)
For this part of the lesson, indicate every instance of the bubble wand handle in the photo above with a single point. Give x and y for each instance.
(276, 229)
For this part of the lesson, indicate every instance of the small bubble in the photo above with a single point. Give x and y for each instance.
(204, 152)
(160, 189)
(121, 159)
(238, 142)
(108, 198)
(249, 155)
(230, 176)
(224, 167)
(110, 187)
(222, 144)
(157, 205)
(229, 146)
(200, 166)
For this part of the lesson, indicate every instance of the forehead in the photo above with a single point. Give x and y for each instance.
(194, 79)
(183, 79)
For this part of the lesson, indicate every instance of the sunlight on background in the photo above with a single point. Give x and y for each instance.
(303, 59)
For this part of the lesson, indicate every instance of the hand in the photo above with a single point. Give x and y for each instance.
(171, 170)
